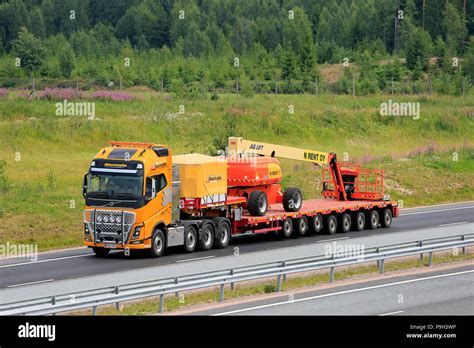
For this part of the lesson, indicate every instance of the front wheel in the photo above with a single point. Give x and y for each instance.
(292, 199)
(257, 203)
(157, 243)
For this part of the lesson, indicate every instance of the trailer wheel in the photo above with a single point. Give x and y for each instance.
(373, 219)
(331, 224)
(157, 243)
(287, 227)
(359, 221)
(257, 203)
(100, 252)
(190, 238)
(300, 225)
(386, 217)
(206, 239)
(345, 225)
(317, 223)
(223, 233)
(292, 199)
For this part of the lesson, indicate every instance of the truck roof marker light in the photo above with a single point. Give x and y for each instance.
(139, 166)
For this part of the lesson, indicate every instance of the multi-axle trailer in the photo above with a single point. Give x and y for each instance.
(138, 196)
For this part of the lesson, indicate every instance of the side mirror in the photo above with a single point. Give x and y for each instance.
(84, 186)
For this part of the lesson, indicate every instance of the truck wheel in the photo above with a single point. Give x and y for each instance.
(373, 219)
(317, 223)
(359, 221)
(257, 203)
(331, 224)
(345, 224)
(206, 239)
(292, 199)
(100, 252)
(223, 233)
(287, 227)
(157, 243)
(386, 217)
(190, 238)
(300, 225)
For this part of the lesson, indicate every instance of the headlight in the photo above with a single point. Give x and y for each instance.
(99, 219)
(106, 218)
(118, 219)
(136, 232)
(86, 229)
(112, 219)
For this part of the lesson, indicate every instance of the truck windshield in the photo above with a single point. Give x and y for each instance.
(117, 186)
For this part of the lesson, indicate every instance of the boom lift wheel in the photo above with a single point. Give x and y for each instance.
(206, 238)
(292, 199)
(157, 243)
(386, 217)
(287, 227)
(300, 225)
(331, 224)
(223, 232)
(257, 203)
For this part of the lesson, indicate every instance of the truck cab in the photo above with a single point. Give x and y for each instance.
(128, 193)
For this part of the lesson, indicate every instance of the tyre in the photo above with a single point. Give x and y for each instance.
(206, 238)
(287, 228)
(345, 223)
(386, 218)
(359, 221)
(331, 224)
(316, 223)
(257, 203)
(300, 225)
(157, 243)
(292, 199)
(190, 238)
(223, 233)
(373, 219)
(100, 252)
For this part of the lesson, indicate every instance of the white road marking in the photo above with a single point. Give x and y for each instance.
(390, 313)
(196, 258)
(344, 292)
(435, 211)
(41, 261)
(454, 223)
(30, 283)
(330, 240)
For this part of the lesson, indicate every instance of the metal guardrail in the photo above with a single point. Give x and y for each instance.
(161, 287)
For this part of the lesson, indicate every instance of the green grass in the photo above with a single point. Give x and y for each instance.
(186, 300)
(43, 202)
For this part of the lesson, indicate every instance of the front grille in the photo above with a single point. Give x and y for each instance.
(111, 226)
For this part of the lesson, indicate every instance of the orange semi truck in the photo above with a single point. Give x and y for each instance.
(139, 196)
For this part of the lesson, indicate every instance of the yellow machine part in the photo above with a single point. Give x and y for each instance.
(201, 175)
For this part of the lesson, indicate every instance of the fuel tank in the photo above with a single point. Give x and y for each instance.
(254, 171)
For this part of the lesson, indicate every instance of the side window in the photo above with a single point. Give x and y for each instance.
(161, 182)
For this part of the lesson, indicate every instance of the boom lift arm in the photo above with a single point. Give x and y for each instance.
(239, 147)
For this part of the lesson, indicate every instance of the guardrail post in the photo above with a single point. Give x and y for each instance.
(53, 300)
(278, 283)
(420, 244)
(176, 282)
(382, 266)
(94, 310)
(117, 304)
(162, 303)
(430, 261)
(221, 294)
(378, 261)
(331, 275)
(232, 284)
(283, 264)
(463, 238)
